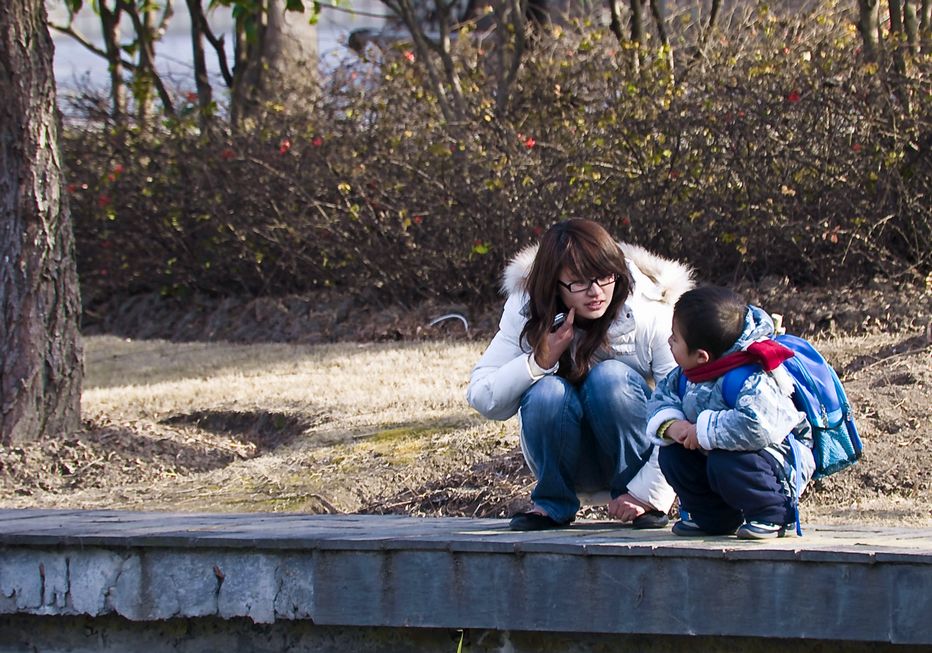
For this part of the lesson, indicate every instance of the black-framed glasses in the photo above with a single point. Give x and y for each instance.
(583, 286)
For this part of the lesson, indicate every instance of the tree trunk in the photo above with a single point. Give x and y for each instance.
(614, 7)
(41, 369)
(911, 26)
(897, 35)
(110, 31)
(290, 52)
(637, 21)
(201, 80)
(281, 67)
(146, 76)
(638, 37)
(925, 26)
(869, 27)
(659, 10)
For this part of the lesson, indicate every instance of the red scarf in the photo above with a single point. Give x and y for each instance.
(769, 354)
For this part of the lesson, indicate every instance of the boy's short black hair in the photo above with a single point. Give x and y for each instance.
(710, 318)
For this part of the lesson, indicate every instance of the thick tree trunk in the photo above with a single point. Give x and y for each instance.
(41, 366)
(281, 67)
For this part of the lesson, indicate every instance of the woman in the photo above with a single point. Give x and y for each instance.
(581, 387)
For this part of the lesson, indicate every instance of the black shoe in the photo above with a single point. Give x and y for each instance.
(533, 521)
(651, 519)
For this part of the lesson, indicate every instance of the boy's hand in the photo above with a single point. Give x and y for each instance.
(684, 433)
(691, 441)
(677, 430)
(558, 342)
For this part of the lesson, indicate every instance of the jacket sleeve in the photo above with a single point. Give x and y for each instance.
(664, 404)
(764, 414)
(503, 373)
(650, 485)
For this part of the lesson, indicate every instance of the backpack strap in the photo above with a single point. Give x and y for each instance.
(731, 385)
(734, 381)
(794, 484)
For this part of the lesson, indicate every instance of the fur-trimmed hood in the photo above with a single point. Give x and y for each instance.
(655, 277)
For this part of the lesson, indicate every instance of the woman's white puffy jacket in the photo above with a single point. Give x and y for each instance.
(637, 337)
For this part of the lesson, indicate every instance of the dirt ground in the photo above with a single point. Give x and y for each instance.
(877, 338)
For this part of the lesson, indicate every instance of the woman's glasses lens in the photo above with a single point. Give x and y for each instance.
(582, 286)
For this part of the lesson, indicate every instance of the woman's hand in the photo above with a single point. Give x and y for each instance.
(558, 342)
(627, 508)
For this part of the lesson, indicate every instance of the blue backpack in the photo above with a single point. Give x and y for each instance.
(818, 393)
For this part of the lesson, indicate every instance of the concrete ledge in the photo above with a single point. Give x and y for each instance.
(835, 583)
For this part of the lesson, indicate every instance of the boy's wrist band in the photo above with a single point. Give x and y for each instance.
(662, 430)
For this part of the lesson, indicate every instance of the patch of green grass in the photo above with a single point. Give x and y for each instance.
(404, 433)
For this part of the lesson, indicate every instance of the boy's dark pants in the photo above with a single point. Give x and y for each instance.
(722, 489)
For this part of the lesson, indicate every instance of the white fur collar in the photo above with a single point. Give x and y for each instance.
(657, 278)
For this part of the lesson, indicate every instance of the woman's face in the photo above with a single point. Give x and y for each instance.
(592, 301)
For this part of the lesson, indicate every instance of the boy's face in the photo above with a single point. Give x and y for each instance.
(681, 354)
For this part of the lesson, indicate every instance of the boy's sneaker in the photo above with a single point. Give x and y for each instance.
(762, 530)
(688, 528)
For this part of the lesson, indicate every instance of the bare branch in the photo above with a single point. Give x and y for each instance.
(83, 42)
(507, 79)
(146, 52)
(405, 11)
(614, 7)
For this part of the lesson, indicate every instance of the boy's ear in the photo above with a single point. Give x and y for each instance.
(702, 356)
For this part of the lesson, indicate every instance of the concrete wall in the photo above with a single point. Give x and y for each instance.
(35, 634)
(112, 581)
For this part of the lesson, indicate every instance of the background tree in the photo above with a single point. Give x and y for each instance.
(274, 53)
(276, 57)
(148, 21)
(41, 368)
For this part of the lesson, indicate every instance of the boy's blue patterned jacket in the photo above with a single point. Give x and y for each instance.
(763, 416)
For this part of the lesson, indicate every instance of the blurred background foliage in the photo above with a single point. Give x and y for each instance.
(763, 143)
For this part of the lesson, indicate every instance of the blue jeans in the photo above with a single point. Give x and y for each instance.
(584, 438)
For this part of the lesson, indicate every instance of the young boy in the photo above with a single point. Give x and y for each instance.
(732, 467)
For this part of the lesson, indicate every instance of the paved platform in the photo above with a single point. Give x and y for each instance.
(854, 584)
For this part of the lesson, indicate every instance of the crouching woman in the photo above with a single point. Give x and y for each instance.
(583, 333)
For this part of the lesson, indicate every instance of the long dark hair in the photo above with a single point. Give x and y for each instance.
(587, 251)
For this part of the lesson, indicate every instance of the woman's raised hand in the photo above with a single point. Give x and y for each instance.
(558, 341)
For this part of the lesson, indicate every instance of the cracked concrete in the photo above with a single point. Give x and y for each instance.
(151, 585)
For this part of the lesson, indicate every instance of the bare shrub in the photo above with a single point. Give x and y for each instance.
(775, 151)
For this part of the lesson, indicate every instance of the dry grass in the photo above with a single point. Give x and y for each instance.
(356, 386)
(384, 427)
(271, 427)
